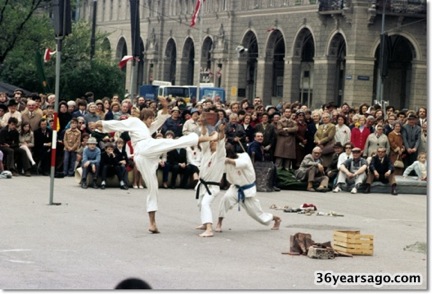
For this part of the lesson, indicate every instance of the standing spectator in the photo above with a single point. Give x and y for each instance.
(376, 140)
(269, 133)
(191, 125)
(397, 148)
(343, 132)
(352, 171)
(42, 149)
(112, 163)
(90, 162)
(82, 109)
(248, 128)
(72, 142)
(324, 138)
(91, 115)
(114, 112)
(285, 152)
(173, 123)
(235, 134)
(13, 112)
(389, 125)
(422, 116)
(100, 110)
(360, 133)
(63, 115)
(423, 138)
(3, 110)
(312, 171)
(381, 169)
(301, 137)
(17, 96)
(411, 135)
(31, 116)
(311, 127)
(9, 145)
(26, 141)
(71, 106)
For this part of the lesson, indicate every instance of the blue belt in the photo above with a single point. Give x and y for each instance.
(241, 194)
(206, 184)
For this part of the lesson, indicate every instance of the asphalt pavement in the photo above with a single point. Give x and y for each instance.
(93, 239)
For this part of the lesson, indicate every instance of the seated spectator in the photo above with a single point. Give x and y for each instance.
(9, 145)
(26, 141)
(90, 162)
(352, 171)
(312, 170)
(419, 167)
(84, 139)
(177, 160)
(381, 169)
(345, 155)
(113, 163)
(333, 170)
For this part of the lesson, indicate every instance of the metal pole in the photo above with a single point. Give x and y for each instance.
(199, 51)
(93, 32)
(54, 137)
(381, 67)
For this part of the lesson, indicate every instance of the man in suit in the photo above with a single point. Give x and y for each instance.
(177, 160)
(411, 136)
(422, 115)
(312, 170)
(381, 169)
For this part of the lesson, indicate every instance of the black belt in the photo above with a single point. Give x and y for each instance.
(206, 184)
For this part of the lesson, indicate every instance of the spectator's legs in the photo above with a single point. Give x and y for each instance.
(29, 154)
(174, 172)
(66, 160)
(10, 158)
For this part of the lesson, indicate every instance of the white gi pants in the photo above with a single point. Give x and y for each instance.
(205, 201)
(146, 158)
(251, 205)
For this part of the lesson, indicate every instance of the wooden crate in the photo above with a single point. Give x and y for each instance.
(353, 242)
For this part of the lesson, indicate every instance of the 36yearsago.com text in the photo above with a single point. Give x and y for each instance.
(333, 279)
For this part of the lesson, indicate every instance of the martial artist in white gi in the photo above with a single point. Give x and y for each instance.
(241, 174)
(148, 150)
(211, 171)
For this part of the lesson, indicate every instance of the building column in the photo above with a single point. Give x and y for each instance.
(418, 93)
(324, 84)
(292, 79)
(260, 81)
(359, 80)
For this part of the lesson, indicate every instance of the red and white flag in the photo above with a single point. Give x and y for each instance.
(48, 53)
(125, 60)
(196, 12)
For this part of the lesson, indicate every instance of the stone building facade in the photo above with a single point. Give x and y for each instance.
(297, 50)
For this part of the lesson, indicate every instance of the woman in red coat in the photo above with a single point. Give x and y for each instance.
(360, 133)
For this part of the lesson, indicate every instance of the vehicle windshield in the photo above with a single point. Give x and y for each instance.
(177, 92)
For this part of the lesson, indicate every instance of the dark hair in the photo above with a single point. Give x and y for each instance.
(230, 151)
(133, 283)
(13, 120)
(341, 115)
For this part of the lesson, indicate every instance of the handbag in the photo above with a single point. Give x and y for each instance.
(398, 163)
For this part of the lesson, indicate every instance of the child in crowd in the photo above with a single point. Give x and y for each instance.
(71, 141)
(90, 162)
(26, 139)
(419, 166)
(84, 139)
(112, 162)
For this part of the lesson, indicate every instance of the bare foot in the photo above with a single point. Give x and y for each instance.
(218, 229)
(277, 221)
(206, 234)
(201, 227)
(153, 230)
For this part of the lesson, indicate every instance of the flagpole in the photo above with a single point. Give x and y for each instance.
(199, 51)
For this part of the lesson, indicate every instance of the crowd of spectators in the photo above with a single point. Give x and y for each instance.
(288, 132)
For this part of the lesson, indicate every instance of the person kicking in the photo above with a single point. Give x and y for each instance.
(211, 171)
(147, 149)
(241, 174)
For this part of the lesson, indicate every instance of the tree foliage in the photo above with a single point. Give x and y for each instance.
(78, 73)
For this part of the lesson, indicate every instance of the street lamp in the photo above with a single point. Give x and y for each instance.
(93, 32)
(383, 57)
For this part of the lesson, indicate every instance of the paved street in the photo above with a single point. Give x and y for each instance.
(96, 238)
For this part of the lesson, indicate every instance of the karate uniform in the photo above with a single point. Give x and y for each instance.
(211, 170)
(148, 150)
(243, 174)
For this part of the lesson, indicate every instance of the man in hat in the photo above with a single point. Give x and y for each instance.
(18, 95)
(90, 162)
(352, 171)
(13, 112)
(191, 125)
(312, 171)
(148, 150)
(174, 123)
(411, 135)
